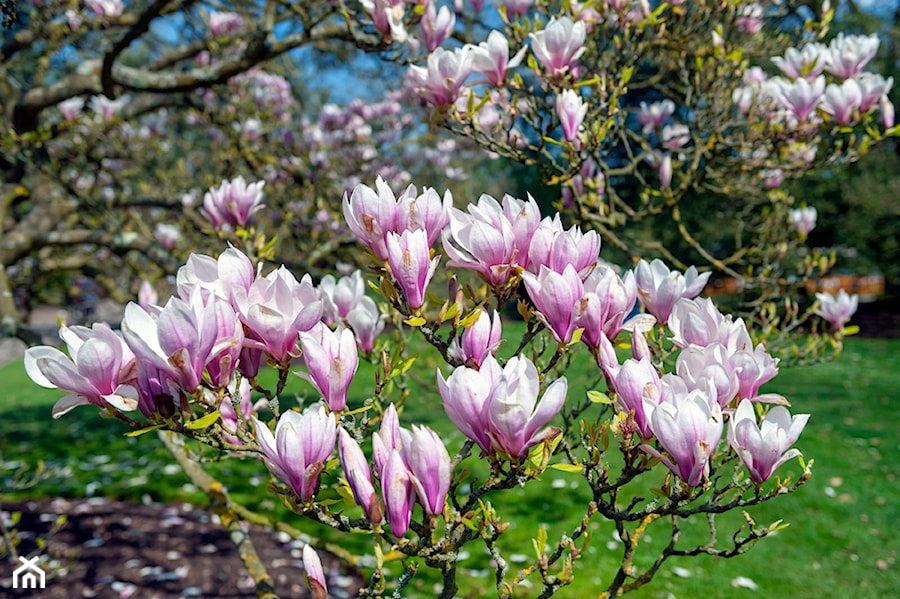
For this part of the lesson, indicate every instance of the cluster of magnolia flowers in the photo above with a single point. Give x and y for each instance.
(803, 95)
(226, 318)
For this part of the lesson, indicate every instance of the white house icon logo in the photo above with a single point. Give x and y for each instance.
(29, 575)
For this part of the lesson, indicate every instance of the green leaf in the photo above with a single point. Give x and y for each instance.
(573, 468)
(203, 422)
(143, 431)
(598, 397)
(851, 330)
(415, 321)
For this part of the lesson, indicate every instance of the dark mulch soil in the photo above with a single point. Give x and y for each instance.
(116, 550)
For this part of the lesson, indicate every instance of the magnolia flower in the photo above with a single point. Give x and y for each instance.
(498, 408)
(848, 55)
(492, 238)
(332, 359)
(367, 323)
(571, 109)
(167, 235)
(764, 447)
(688, 425)
(388, 17)
(659, 288)
(479, 340)
(837, 309)
(441, 81)
(754, 368)
(654, 116)
(371, 215)
(607, 301)
(698, 322)
(340, 296)
(233, 202)
(872, 87)
(801, 97)
(71, 108)
(105, 8)
(698, 365)
(315, 575)
(98, 370)
(411, 264)
(428, 212)
(803, 220)
(556, 296)
(842, 101)
(221, 22)
(635, 381)
(298, 450)
(559, 45)
(436, 25)
(276, 309)
(806, 62)
(491, 58)
(359, 476)
(556, 248)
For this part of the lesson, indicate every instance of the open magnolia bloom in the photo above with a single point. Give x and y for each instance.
(765, 446)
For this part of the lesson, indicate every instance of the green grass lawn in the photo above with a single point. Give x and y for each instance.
(841, 541)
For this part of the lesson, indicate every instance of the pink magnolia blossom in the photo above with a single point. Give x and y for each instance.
(556, 296)
(426, 211)
(607, 301)
(699, 322)
(98, 370)
(331, 358)
(276, 309)
(848, 55)
(766, 446)
(359, 476)
(221, 22)
(105, 8)
(634, 381)
(559, 45)
(233, 202)
(147, 295)
(514, 8)
(186, 337)
(437, 25)
(315, 575)
(71, 108)
(659, 288)
(803, 220)
(428, 463)
(697, 365)
(806, 62)
(688, 425)
(801, 97)
(388, 17)
(227, 277)
(571, 110)
(872, 87)
(654, 116)
(340, 296)
(398, 492)
(887, 112)
(491, 238)
(556, 248)
(167, 235)
(750, 20)
(498, 408)
(298, 450)
(371, 215)
(665, 172)
(232, 415)
(675, 136)
(479, 340)
(755, 368)
(842, 101)
(411, 264)
(491, 58)
(837, 309)
(367, 323)
(441, 81)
